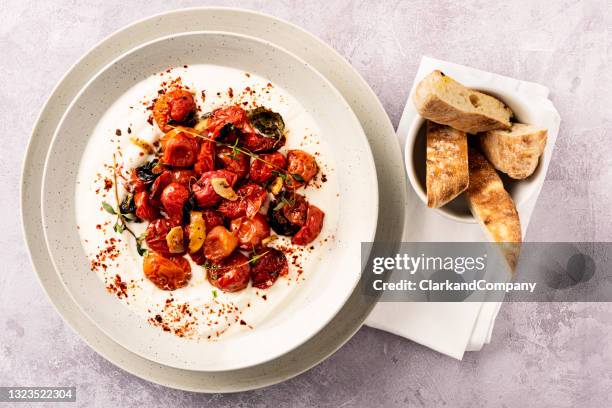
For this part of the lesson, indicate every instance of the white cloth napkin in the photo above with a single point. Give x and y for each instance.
(454, 328)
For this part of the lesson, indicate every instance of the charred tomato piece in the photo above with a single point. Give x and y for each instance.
(266, 269)
(311, 229)
(224, 122)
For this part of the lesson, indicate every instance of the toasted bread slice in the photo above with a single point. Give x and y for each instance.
(515, 151)
(493, 207)
(447, 164)
(441, 99)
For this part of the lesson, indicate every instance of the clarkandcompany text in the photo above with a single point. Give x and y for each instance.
(439, 286)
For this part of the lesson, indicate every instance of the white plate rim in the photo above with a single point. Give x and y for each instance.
(372, 188)
(345, 324)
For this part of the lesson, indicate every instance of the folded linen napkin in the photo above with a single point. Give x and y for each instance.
(454, 328)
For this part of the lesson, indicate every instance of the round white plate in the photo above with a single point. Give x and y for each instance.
(383, 142)
(349, 198)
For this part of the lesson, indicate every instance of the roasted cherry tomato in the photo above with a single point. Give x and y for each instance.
(279, 223)
(167, 273)
(206, 158)
(174, 107)
(160, 184)
(198, 257)
(156, 236)
(231, 274)
(295, 208)
(220, 118)
(212, 218)
(265, 270)
(173, 199)
(135, 184)
(184, 176)
(235, 162)
(144, 207)
(180, 149)
(262, 144)
(261, 172)
(203, 190)
(303, 165)
(219, 243)
(250, 231)
(250, 199)
(311, 229)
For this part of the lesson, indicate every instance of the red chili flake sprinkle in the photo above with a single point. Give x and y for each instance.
(118, 132)
(230, 92)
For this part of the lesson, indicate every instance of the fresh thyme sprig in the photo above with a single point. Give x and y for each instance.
(122, 219)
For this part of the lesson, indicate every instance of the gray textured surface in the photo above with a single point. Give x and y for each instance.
(541, 354)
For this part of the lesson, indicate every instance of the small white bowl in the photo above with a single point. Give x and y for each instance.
(457, 209)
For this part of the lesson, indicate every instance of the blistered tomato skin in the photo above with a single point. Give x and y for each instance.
(250, 231)
(203, 190)
(261, 172)
(167, 273)
(279, 223)
(206, 158)
(156, 236)
(295, 209)
(235, 162)
(312, 227)
(261, 144)
(184, 176)
(250, 199)
(304, 165)
(177, 106)
(144, 208)
(135, 184)
(160, 183)
(234, 115)
(231, 274)
(180, 149)
(265, 270)
(219, 244)
(173, 198)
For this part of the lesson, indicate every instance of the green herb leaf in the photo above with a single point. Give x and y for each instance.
(109, 208)
(119, 227)
(129, 216)
(297, 177)
(279, 205)
(279, 174)
(215, 294)
(142, 251)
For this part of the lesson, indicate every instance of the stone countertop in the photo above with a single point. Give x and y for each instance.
(541, 354)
